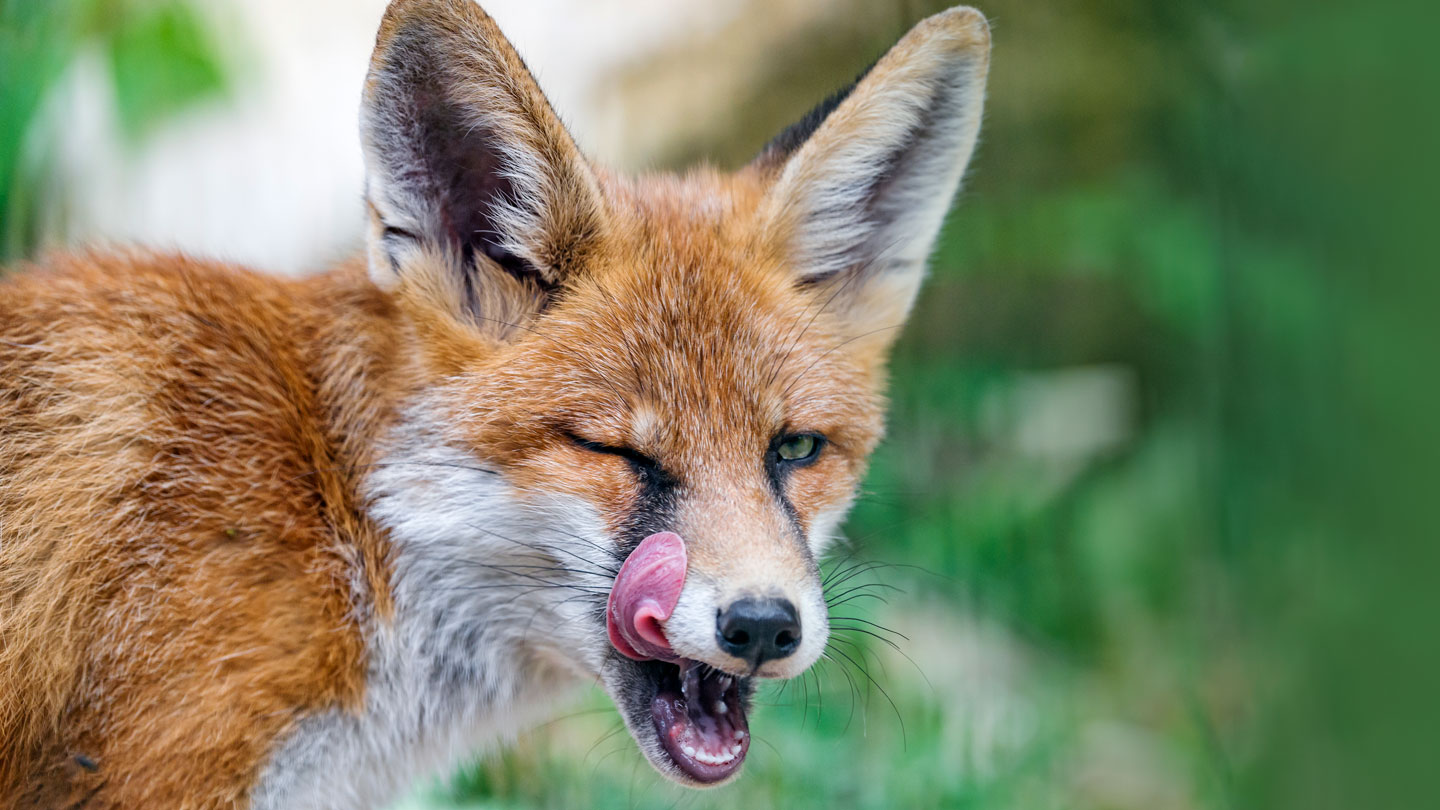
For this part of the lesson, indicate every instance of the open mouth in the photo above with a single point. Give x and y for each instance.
(699, 715)
(697, 711)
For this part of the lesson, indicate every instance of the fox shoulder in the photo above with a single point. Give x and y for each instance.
(174, 440)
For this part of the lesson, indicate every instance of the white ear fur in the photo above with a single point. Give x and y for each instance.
(858, 203)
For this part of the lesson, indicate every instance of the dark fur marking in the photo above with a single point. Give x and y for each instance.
(654, 512)
(777, 470)
(655, 503)
(647, 468)
(794, 136)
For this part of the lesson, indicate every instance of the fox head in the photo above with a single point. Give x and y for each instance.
(687, 365)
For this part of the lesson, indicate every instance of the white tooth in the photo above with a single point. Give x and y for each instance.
(689, 751)
(735, 749)
(721, 708)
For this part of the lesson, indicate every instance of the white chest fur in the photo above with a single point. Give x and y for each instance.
(487, 634)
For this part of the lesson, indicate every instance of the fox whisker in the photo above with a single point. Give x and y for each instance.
(870, 680)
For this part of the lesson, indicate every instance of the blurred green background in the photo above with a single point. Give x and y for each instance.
(158, 55)
(1150, 527)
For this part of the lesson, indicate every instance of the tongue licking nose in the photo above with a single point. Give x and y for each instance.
(698, 712)
(645, 593)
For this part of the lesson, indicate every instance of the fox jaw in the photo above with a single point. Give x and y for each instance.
(688, 366)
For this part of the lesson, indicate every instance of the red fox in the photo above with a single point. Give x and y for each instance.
(296, 543)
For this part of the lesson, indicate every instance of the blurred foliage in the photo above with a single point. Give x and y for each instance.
(160, 59)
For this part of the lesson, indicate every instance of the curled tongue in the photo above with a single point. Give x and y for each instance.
(644, 595)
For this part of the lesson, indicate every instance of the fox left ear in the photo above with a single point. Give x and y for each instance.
(861, 186)
(480, 202)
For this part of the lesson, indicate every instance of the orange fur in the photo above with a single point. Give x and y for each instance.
(178, 525)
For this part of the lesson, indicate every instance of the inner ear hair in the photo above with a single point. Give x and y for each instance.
(468, 167)
(861, 185)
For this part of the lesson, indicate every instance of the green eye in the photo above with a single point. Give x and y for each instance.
(802, 447)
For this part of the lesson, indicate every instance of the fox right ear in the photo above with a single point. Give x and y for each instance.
(860, 187)
(479, 200)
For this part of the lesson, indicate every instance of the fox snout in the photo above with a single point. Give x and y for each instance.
(757, 614)
(759, 630)
(755, 630)
(778, 635)
(752, 630)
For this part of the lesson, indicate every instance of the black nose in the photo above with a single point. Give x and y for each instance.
(758, 630)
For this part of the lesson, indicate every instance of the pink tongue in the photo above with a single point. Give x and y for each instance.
(644, 595)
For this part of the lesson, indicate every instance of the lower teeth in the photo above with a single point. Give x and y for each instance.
(710, 737)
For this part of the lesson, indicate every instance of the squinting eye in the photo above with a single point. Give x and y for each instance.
(801, 447)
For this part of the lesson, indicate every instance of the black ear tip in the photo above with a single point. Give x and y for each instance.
(795, 135)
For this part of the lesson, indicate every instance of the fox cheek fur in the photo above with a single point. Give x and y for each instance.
(299, 543)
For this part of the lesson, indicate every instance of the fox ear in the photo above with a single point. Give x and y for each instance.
(861, 186)
(479, 199)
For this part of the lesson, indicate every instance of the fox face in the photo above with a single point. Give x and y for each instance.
(654, 400)
(639, 408)
(650, 400)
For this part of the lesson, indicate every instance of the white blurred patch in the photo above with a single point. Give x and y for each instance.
(1064, 418)
(982, 680)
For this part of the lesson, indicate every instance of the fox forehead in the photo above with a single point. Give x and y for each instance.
(685, 339)
(686, 319)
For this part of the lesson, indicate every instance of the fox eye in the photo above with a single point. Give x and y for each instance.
(641, 462)
(800, 447)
